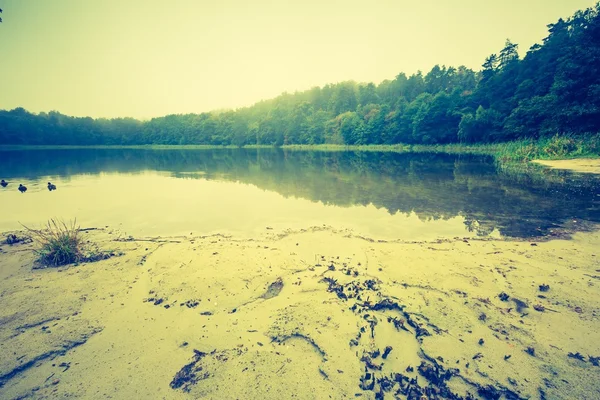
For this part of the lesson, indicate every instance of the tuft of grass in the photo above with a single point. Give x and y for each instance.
(60, 243)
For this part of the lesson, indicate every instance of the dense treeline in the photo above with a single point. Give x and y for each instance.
(554, 89)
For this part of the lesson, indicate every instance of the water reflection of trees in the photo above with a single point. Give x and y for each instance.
(433, 186)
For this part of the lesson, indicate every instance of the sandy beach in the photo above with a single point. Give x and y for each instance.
(583, 165)
(306, 314)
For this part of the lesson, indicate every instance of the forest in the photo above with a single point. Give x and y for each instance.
(553, 90)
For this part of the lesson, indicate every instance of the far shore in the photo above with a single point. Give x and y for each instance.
(310, 313)
(521, 151)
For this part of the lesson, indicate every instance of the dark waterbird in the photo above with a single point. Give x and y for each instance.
(3, 183)
(51, 186)
(22, 188)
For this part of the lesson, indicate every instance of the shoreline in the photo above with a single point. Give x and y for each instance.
(520, 151)
(304, 313)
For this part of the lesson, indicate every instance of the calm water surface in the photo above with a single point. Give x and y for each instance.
(242, 192)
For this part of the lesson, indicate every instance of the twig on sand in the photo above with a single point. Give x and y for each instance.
(132, 239)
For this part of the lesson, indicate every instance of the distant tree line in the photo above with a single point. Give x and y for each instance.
(554, 89)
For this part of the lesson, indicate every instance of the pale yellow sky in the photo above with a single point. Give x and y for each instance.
(147, 58)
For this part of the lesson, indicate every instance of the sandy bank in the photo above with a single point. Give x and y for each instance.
(586, 165)
(304, 314)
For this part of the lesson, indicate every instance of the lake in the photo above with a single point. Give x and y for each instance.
(244, 192)
(287, 307)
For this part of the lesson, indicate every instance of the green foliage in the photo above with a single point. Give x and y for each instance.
(436, 121)
(550, 147)
(484, 126)
(560, 146)
(554, 89)
(60, 243)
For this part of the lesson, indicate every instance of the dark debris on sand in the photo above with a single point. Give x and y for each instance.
(273, 290)
(190, 374)
(435, 375)
(366, 301)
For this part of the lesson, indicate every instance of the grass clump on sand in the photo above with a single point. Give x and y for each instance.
(61, 244)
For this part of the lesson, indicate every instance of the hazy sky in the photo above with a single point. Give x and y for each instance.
(146, 58)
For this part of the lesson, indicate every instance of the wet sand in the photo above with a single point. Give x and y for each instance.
(304, 314)
(584, 165)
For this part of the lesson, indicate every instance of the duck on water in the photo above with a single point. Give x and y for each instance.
(22, 188)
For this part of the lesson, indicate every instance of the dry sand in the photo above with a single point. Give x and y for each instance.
(303, 314)
(585, 165)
